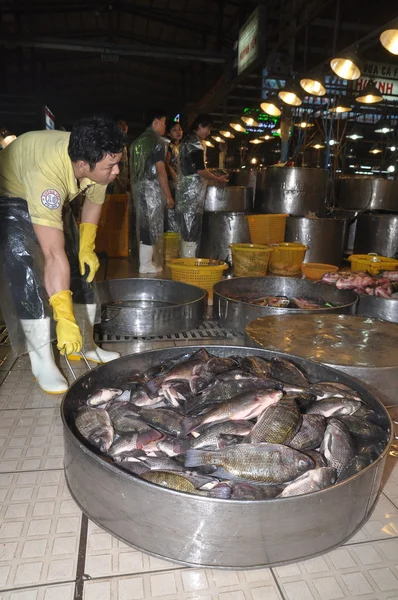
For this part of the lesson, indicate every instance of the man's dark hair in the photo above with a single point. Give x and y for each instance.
(93, 138)
(170, 123)
(152, 114)
(201, 120)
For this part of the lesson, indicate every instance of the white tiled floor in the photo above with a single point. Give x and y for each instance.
(41, 528)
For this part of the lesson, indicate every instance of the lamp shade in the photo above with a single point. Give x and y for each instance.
(218, 138)
(237, 126)
(389, 40)
(226, 133)
(250, 119)
(347, 65)
(291, 94)
(271, 106)
(314, 85)
(340, 105)
(256, 141)
(375, 149)
(370, 94)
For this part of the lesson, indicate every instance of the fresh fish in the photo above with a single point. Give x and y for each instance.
(338, 446)
(193, 371)
(172, 446)
(176, 393)
(317, 457)
(306, 304)
(218, 365)
(248, 491)
(334, 407)
(287, 372)
(257, 366)
(268, 463)
(174, 481)
(366, 413)
(359, 462)
(125, 418)
(136, 468)
(277, 424)
(220, 490)
(303, 399)
(274, 301)
(95, 426)
(326, 389)
(137, 441)
(364, 431)
(164, 419)
(161, 463)
(103, 396)
(142, 398)
(212, 436)
(245, 406)
(311, 481)
(310, 434)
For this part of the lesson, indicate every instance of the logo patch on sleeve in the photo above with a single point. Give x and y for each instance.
(51, 199)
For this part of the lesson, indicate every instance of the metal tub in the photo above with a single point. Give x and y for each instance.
(377, 233)
(291, 190)
(326, 238)
(358, 346)
(367, 193)
(210, 532)
(235, 314)
(237, 198)
(144, 307)
(385, 309)
(220, 230)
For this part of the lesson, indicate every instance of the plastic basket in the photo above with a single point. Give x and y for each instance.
(250, 259)
(317, 270)
(171, 246)
(286, 258)
(372, 263)
(198, 271)
(267, 229)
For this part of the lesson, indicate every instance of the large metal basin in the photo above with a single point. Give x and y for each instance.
(220, 230)
(361, 347)
(377, 233)
(291, 190)
(210, 532)
(236, 198)
(326, 238)
(385, 309)
(235, 314)
(367, 193)
(143, 307)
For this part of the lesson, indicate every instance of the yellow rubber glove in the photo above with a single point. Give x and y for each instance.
(87, 255)
(68, 333)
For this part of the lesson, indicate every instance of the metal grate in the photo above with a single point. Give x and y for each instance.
(4, 337)
(207, 330)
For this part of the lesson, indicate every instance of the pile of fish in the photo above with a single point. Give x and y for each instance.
(283, 301)
(238, 427)
(385, 286)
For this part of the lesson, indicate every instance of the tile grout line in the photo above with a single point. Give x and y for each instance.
(81, 559)
(278, 585)
(394, 502)
(30, 471)
(36, 586)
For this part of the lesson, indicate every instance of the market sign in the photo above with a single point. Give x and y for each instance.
(248, 45)
(385, 77)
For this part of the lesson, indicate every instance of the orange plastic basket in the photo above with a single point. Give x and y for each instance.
(317, 270)
(286, 258)
(372, 263)
(197, 271)
(267, 229)
(250, 259)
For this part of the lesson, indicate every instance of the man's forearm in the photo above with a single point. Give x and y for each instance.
(206, 174)
(56, 273)
(91, 212)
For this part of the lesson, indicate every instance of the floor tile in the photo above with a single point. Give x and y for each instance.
(39, 529)
(383, 523)
(52, 592)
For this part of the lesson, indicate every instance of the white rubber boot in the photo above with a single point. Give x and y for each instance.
(146, 264)
(85, 318)
(188, 249)
(38, 344)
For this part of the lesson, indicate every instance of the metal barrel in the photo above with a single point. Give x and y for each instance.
(367, 193)
(326, 238)
(377, 233)
(220, 230)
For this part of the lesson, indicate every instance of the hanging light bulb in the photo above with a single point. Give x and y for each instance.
(383, 126)
(314, 85)
(340, 105)
(318, 143)
(237, 126)
(355, 133)
(271, 106)
(256, 141)
(266, 137)
(347, 65)
(209, 144)
(218, 139)
(392, 148)
(375, 149)
(226, 133)
(370, 94)
(389, 40)
(303, 124)
(253, 161)
(291, 94)
(250, 119)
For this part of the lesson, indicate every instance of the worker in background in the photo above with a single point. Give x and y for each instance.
(44, 258)
(191, 185)
(151, 191)
(121, 183)
(174, 133)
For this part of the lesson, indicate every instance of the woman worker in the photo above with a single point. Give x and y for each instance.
(192, 180)
(174, 133)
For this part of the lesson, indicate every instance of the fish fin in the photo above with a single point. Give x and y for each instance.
(194, 458)
(189, 424)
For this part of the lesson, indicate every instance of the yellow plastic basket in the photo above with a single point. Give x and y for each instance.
(267, 229)
(171, 246)
(198, 271)
(250, 259)
(372, 263)
(317, 270)
(286, 258)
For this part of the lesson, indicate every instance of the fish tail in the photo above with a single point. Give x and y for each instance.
(189, 424)
(195, 458)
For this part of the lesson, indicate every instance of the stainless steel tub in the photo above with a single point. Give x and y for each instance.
(210, 532)
(220, 230)
(235, 198)
(235, 314)
(367, 193)
(143, 307)
(377, 233)
(385, 309)
(326, 238)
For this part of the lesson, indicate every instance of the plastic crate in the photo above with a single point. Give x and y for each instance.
(286, 258)
(372, 263)
(197, 271)
(250, 259)
(317, 270)
(267, 229)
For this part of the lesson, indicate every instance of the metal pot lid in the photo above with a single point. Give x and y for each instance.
(331, 339)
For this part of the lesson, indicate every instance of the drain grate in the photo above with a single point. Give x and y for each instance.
(4, 337)
(207, 330)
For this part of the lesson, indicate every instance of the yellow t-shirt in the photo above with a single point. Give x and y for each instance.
(36, 167)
